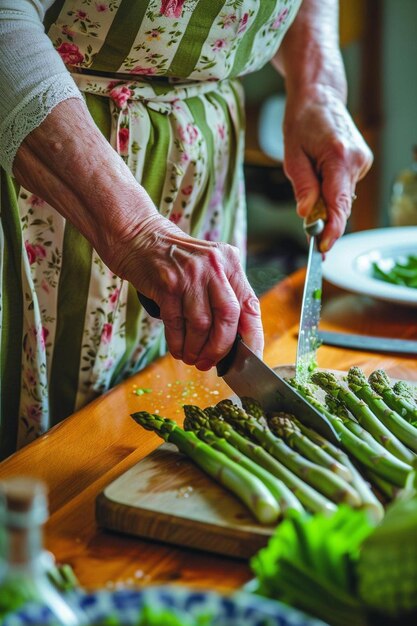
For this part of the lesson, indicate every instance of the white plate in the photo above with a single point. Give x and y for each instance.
(349, 262)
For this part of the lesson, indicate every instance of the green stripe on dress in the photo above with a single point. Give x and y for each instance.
(120, 37)
(230, 186)
(197, 109)
(12, 316)
(73, 290)
(243, 53)
(131, 333)
(155, 166)
(198, 29)
(153, 180)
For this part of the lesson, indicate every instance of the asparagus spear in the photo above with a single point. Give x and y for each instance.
(196, 421)
(369, 501)
(363, 414)
(309, 497)
(406, 391)
(381, 384)
(382, 463)
(331, 485)
(282, 425)
(246, 487)
(253, 407)
(313, 500)
(400, 427)
(336, 407)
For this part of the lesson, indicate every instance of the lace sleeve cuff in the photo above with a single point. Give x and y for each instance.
(31, 112)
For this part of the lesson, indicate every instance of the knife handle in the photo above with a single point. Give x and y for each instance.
(316, 219)
(225, 363)
(149, 305)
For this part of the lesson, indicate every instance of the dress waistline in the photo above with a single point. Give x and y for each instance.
(158, 95)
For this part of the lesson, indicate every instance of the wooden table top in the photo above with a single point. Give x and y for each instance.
(80, 456)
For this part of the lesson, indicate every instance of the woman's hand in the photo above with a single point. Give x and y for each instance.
(200, 287)
(325, 155)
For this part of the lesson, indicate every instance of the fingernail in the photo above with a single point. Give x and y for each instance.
(204, 365)
(326, 244)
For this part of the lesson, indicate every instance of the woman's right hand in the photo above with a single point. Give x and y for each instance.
(200, 287)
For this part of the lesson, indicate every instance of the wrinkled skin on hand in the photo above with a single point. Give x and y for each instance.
(200, 287)
(324, 154)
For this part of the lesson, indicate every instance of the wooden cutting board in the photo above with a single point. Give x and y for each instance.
(168, 498)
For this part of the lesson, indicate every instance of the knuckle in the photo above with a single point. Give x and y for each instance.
(200, 325)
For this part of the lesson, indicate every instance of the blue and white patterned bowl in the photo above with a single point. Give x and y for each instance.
(240, 609)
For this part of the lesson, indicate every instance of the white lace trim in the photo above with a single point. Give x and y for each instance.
(31, 112)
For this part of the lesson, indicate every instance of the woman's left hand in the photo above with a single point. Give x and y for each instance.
(325, 155)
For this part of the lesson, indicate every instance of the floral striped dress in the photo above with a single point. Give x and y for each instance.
(160, 80)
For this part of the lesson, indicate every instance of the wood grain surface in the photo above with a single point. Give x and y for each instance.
(80, 457)
(167, 497)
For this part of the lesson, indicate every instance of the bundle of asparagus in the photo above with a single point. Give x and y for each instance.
(275, 464)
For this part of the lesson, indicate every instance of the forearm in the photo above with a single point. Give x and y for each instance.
(309, 57)
(68, 163)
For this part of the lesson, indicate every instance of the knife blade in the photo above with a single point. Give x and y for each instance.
(247, 375)
(308, 340)
(367, 342)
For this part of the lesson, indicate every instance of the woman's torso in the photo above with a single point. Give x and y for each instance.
(193, 40)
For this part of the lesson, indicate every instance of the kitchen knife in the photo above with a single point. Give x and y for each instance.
(367, 342)
(247, 375)
(308, 340)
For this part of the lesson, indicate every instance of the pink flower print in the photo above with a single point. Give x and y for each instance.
(113, 83)
(34, 252)
(34, 412)
(70, 53)
(219, 44)
(108, 364)
(188, 134)
(81, 15)
(45, 286)
(143, 71)
(123, 140)
(280, 19)
(221, 129)
(184, 158)
(107, 332)
(36, 201)
(114, 297)
(30, 378)
(228, 20)
(43, 335)
(171, 8)
(154, 35)
(101, 7)
(212, 235)
(175, 217)
(120, 95)
(243, 23)
(30, 251)
(67, 31)
(187, 190)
